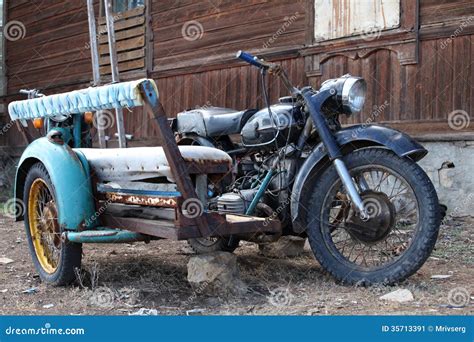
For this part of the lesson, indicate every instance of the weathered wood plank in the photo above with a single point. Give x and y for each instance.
(124, 45)
(123, 67)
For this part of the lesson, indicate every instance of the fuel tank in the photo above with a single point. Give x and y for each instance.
(282, 122)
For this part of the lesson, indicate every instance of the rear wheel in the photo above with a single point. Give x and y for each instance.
(403, 219)
(54, 259)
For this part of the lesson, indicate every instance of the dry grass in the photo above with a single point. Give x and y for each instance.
(121, 279)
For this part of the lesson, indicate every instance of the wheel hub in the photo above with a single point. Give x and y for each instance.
(381, 218)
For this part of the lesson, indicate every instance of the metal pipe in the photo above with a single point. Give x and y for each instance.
(260, 192)
(95, 65)
(114, 70)
(104, 236)
(77, 130)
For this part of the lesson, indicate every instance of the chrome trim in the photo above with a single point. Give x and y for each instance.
(350, 187)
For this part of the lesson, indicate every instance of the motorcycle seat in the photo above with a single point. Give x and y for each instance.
(213, 121)
(138, 163)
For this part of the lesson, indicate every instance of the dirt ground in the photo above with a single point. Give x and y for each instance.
(130, 278)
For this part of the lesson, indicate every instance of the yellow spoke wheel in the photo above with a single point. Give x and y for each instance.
(44, 228)
(54, 259)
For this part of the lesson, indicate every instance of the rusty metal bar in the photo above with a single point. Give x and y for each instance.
(177, 164)
(150, 201)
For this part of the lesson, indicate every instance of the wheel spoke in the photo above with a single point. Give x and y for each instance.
(401, 227)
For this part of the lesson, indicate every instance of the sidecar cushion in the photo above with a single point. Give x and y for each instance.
(117, 95)
(138, 163)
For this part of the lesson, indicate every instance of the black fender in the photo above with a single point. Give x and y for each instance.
(349, 139)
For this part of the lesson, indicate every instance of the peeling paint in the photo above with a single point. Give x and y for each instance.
(152, 201)
(335, 19)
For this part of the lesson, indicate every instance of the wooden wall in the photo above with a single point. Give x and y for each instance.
(195, 72)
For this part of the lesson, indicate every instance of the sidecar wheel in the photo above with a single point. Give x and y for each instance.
(54, 259)
(402, 229)
(209, 245)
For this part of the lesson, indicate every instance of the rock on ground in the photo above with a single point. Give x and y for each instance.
(215, 272)
(400, 296)
(285, 247)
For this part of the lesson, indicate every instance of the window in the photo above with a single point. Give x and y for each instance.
(125, 5)
(336, 18)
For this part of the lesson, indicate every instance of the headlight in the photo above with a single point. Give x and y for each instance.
(349, 93)
(353, 94)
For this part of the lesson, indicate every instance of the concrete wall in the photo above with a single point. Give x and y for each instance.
(450, 165)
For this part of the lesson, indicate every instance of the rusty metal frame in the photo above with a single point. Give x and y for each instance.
(176, 161)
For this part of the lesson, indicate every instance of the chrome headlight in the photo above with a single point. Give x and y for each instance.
(349, 93)
(353, 94)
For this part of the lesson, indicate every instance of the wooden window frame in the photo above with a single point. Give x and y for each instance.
(403, 40)
(148, 36)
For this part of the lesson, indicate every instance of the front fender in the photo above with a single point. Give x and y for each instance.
(70, 178)
(350, 139)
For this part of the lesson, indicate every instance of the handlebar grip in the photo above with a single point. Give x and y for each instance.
(247, 57)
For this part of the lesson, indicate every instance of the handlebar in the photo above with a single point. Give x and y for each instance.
(271, 67)
(249, 58)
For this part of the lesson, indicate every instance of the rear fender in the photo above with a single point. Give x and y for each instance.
(71, 180)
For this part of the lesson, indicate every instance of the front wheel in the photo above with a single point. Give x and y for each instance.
(54, 259)
(403, 219)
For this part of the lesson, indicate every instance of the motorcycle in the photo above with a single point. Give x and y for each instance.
(357, 193)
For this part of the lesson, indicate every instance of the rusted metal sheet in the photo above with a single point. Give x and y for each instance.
(152, 201)
(336, 19)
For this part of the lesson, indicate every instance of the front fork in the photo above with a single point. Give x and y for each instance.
(314, 102)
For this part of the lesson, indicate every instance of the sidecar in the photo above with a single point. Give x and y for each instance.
(69, 194)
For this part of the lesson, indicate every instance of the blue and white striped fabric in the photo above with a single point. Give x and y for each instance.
(124, 94)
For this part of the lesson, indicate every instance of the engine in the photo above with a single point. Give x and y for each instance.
(235, 202)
